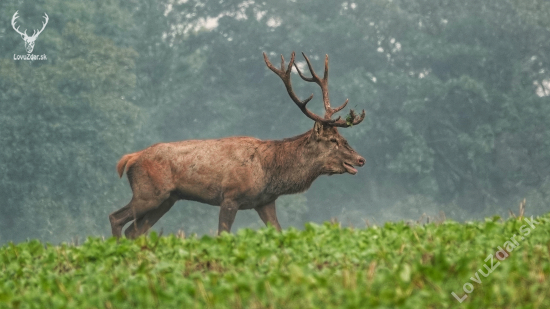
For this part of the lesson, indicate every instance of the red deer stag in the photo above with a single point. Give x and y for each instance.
(237, 172)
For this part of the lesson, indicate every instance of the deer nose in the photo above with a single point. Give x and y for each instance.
(361, 161)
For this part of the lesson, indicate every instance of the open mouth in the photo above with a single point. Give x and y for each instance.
(349, 168)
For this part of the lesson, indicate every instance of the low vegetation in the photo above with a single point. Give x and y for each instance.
(322, 266)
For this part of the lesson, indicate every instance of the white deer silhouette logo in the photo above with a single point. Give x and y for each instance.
(29, 40)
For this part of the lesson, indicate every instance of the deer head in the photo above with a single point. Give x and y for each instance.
(29, 40)
(331, 149)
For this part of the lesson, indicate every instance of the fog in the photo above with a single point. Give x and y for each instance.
(455, 93)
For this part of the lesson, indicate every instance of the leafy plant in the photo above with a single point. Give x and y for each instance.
(323, 266)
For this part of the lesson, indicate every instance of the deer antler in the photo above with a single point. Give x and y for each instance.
(352, 119)
(43, 26)
(13, 25)
(24, 34)
(285, 77)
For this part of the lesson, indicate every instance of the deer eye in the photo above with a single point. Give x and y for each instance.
(334, 141)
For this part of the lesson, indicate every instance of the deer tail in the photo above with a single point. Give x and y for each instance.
(126, 161)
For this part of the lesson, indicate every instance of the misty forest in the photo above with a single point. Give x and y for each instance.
(456, 95)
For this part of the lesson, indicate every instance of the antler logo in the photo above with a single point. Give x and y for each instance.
(29, 40)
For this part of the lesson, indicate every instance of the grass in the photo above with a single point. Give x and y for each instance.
(323, 266)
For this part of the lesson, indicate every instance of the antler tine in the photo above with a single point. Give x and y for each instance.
(325, 76)
(285, 77)
(47, 18)
(314, 78)
(339, 108)
(351, 120)
(323, 83)
(289, 68)
(307, 79)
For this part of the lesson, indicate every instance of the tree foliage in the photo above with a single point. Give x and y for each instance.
(64, 123)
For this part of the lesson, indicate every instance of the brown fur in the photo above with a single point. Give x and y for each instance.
(233, 173)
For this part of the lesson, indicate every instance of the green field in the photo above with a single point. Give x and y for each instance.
(323, 266)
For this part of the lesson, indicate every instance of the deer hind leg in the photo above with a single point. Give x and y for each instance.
(119, 218)
(151, 184)
(269, 215)
(136, 209)
(142, 225)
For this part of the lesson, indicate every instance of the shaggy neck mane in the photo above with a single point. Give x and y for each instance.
(288, 166)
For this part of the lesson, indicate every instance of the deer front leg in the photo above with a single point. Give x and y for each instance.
(228, 211)
(269, 215)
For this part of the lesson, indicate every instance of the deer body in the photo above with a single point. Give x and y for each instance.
(234, 173)
(207, 171)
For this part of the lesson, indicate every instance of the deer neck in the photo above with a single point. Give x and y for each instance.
(290, 165)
